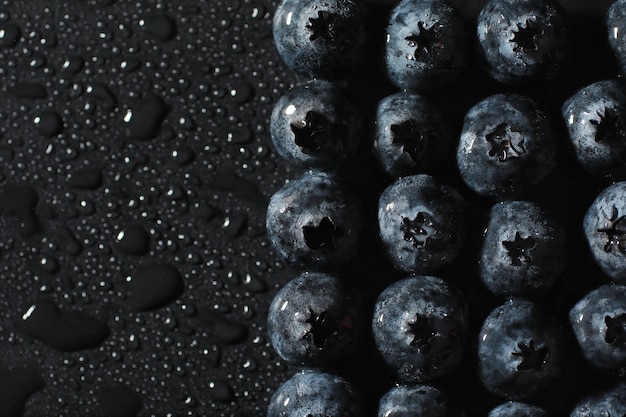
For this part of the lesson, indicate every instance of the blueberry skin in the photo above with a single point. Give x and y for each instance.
(594, 117)
(609, 403)
(506, 147)
(313, 320)
(312, 221)
(522, 40)
(417, 401)
(411, 136)
(421, 223)
(323, 39)
(425, 44)
(420, 328)
(616, 28)
(314, 394)
(599, 323)
(518, 350)
(517, 409)
(314, 126)
(523, 250)
(604, 225)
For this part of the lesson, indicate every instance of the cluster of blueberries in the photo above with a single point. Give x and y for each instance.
(506, 148)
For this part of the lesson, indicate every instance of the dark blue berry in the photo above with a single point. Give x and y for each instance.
(314, 394)
(595, 117)
(506, 147)
(523, 250)
(420, 328)
(518, 350)
(616, 29)
(313, 320)
(425, 44)
(314, 126)
(421, 223)
(411, 136)
(320, 38)
(610, 403)
(605, 227)
(599, 323)
(516, 409)
(313, 221)
(417, 401)
(522, 40)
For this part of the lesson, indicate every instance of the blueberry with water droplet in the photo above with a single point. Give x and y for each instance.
(519, 350)
(314, 125)
(615, 23)
(595, 117)
(610, 403)
(522, 40)
(314, 394)
(323, 39)
(420, 328)
(421, 223)
(314, 320)
(410, 136)
(425, 44)
(517, 409)
(313, 221)
(604, 225)
(506, 147)
(523, 250)
(599, 323)
(417, 401)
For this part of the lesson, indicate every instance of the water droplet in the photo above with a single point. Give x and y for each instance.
(19, 201)
(153, 286)
(67, 242)
(225, 331)
(119, 401)
(133, 240)
(86, 179)
(221, 391)
(62, 330)
(9, 34)
(48, 123)
(160, 26)
(144, 119)
(28, 90)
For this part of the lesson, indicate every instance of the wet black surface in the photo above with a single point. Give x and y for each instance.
(136, 167)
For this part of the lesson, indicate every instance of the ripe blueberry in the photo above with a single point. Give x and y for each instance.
(320, 38)
(411, 136)
(605, 228)
(611, 402)
(313, 320)
(313, 221)
(599, 323)
(420, 328)
(518, 350)
(506, 147)
(595, 117)
(523, 250)
(425, 44)
(421, 223)
(516, 409)
(417, 401)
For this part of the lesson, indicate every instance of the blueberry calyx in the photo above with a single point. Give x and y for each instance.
(413, 137)
(519, 250)
(426, 40)
(533, 358)
(315, 132)
(323, 26)
(615, 231)
(615, 329)
(525, 37)
(322, 236)
(505, 143)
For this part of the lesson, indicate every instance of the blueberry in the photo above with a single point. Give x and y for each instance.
(321, 38)
(616, 28)
(313, 320)
(314, 394)
(605, 228)
(420, 328)
(313, 221)
(522, 252)
(518, 350)
(516, 409)
(599, 323)
(425, 44)
(314, 126)
(411, 136)
(595, 117)
(506, 147)
(522, 40)
(417, 401)
(421, 223)
(611, 402)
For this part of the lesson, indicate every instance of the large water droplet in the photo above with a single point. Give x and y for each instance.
(133, 240)
(144, 119)
(153, 286)
(16, 385)
(119, 401)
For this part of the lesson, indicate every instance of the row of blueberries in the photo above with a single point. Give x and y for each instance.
(505, 149)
